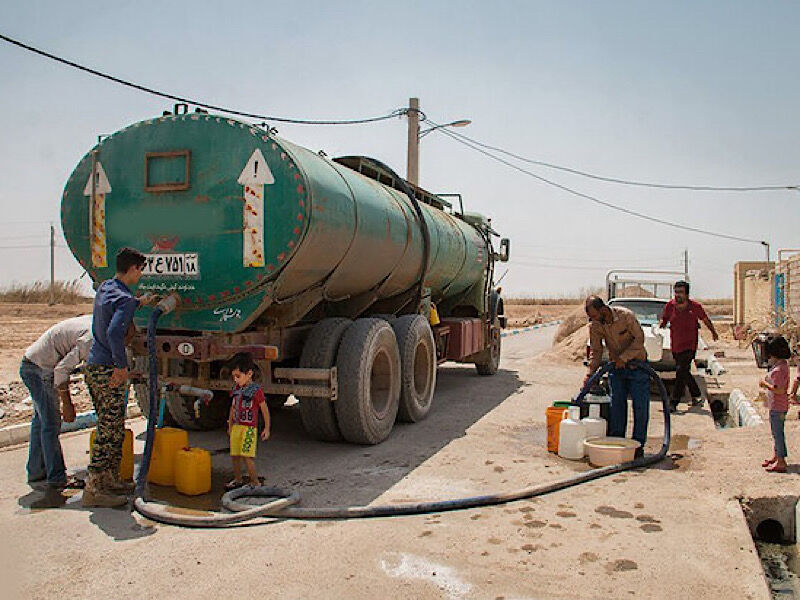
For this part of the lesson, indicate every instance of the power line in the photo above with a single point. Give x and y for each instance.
(666, 186)
(593, 198)
(395, 113)
(28, 246)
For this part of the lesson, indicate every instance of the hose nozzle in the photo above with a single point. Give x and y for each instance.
(169, 303)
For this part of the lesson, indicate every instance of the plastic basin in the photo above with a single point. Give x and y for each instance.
(605, 451)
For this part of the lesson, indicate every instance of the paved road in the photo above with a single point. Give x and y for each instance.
(526, 345)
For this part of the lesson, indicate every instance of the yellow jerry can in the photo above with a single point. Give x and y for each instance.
(168, 442)
(193, 471)
(126, 466)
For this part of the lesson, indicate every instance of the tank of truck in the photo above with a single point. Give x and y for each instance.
(240, 223)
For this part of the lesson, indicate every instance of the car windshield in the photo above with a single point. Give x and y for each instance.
(647, 313)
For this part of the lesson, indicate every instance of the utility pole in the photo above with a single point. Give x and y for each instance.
(766, 247)
(52, 265)
(686, 263)
(413, 141)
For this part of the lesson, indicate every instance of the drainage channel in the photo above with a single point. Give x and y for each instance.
(773, 526)
(732, 410)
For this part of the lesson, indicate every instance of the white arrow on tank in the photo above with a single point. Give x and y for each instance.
(256, 171)
(101, 185)
(254, 176)
(97, 213)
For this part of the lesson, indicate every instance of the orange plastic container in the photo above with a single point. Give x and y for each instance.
(126, 466)
(193, 471)
(555, 414)
(168, 442)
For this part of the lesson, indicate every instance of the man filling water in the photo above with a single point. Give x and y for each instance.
(624, 338)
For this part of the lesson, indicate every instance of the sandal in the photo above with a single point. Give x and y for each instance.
(233, 484)
(767, 462)
(776, 469)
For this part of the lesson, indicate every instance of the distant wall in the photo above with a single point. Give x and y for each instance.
(790, 267)
(752, 291)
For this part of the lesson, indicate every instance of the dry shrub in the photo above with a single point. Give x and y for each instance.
(38, 292)
(571, 324)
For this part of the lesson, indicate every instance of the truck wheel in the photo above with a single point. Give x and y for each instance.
(418, 367)
(141, 392)
(489, 361)
(319, 352)
(368, 365)
(211, 416)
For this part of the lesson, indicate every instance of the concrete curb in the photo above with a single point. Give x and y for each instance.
(531, 328)
(20, 434)
(742, 410)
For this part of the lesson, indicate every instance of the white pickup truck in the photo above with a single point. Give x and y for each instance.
(648, 312)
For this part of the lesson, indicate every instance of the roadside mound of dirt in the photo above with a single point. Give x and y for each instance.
(634, 291)
(571, 323)
(571, 348)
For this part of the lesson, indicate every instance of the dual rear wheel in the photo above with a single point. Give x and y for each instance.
(385, 372)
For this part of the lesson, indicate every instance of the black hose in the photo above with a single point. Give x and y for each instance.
(152, 359)
(282, 508)
(362, 512)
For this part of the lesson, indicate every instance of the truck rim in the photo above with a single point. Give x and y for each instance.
(380, 385)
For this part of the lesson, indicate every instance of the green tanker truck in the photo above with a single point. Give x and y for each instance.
(347, 284)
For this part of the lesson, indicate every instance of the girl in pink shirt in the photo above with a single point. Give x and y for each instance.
(777, 385)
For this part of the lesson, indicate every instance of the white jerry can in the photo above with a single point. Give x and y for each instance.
(594, 423)
(571, 435)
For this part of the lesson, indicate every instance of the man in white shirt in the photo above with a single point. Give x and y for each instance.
(45, 370)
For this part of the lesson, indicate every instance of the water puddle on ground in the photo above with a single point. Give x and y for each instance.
(683, 442)
(203, 503)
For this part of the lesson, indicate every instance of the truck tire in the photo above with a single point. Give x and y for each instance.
(319, 352)
(489, 360)
(211, 416)
(418, 367)
(368, 365)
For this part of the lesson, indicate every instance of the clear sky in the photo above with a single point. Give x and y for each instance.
(679, 92)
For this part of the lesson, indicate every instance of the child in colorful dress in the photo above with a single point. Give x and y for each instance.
(777, 384)
(247, 398)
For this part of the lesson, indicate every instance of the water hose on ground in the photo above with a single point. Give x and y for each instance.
(282, 507)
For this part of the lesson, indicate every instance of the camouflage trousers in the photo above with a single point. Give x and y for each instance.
(109, 404)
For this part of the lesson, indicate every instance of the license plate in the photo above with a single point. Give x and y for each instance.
(171, 265)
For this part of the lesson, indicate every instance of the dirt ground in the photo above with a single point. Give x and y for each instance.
(20, 326)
